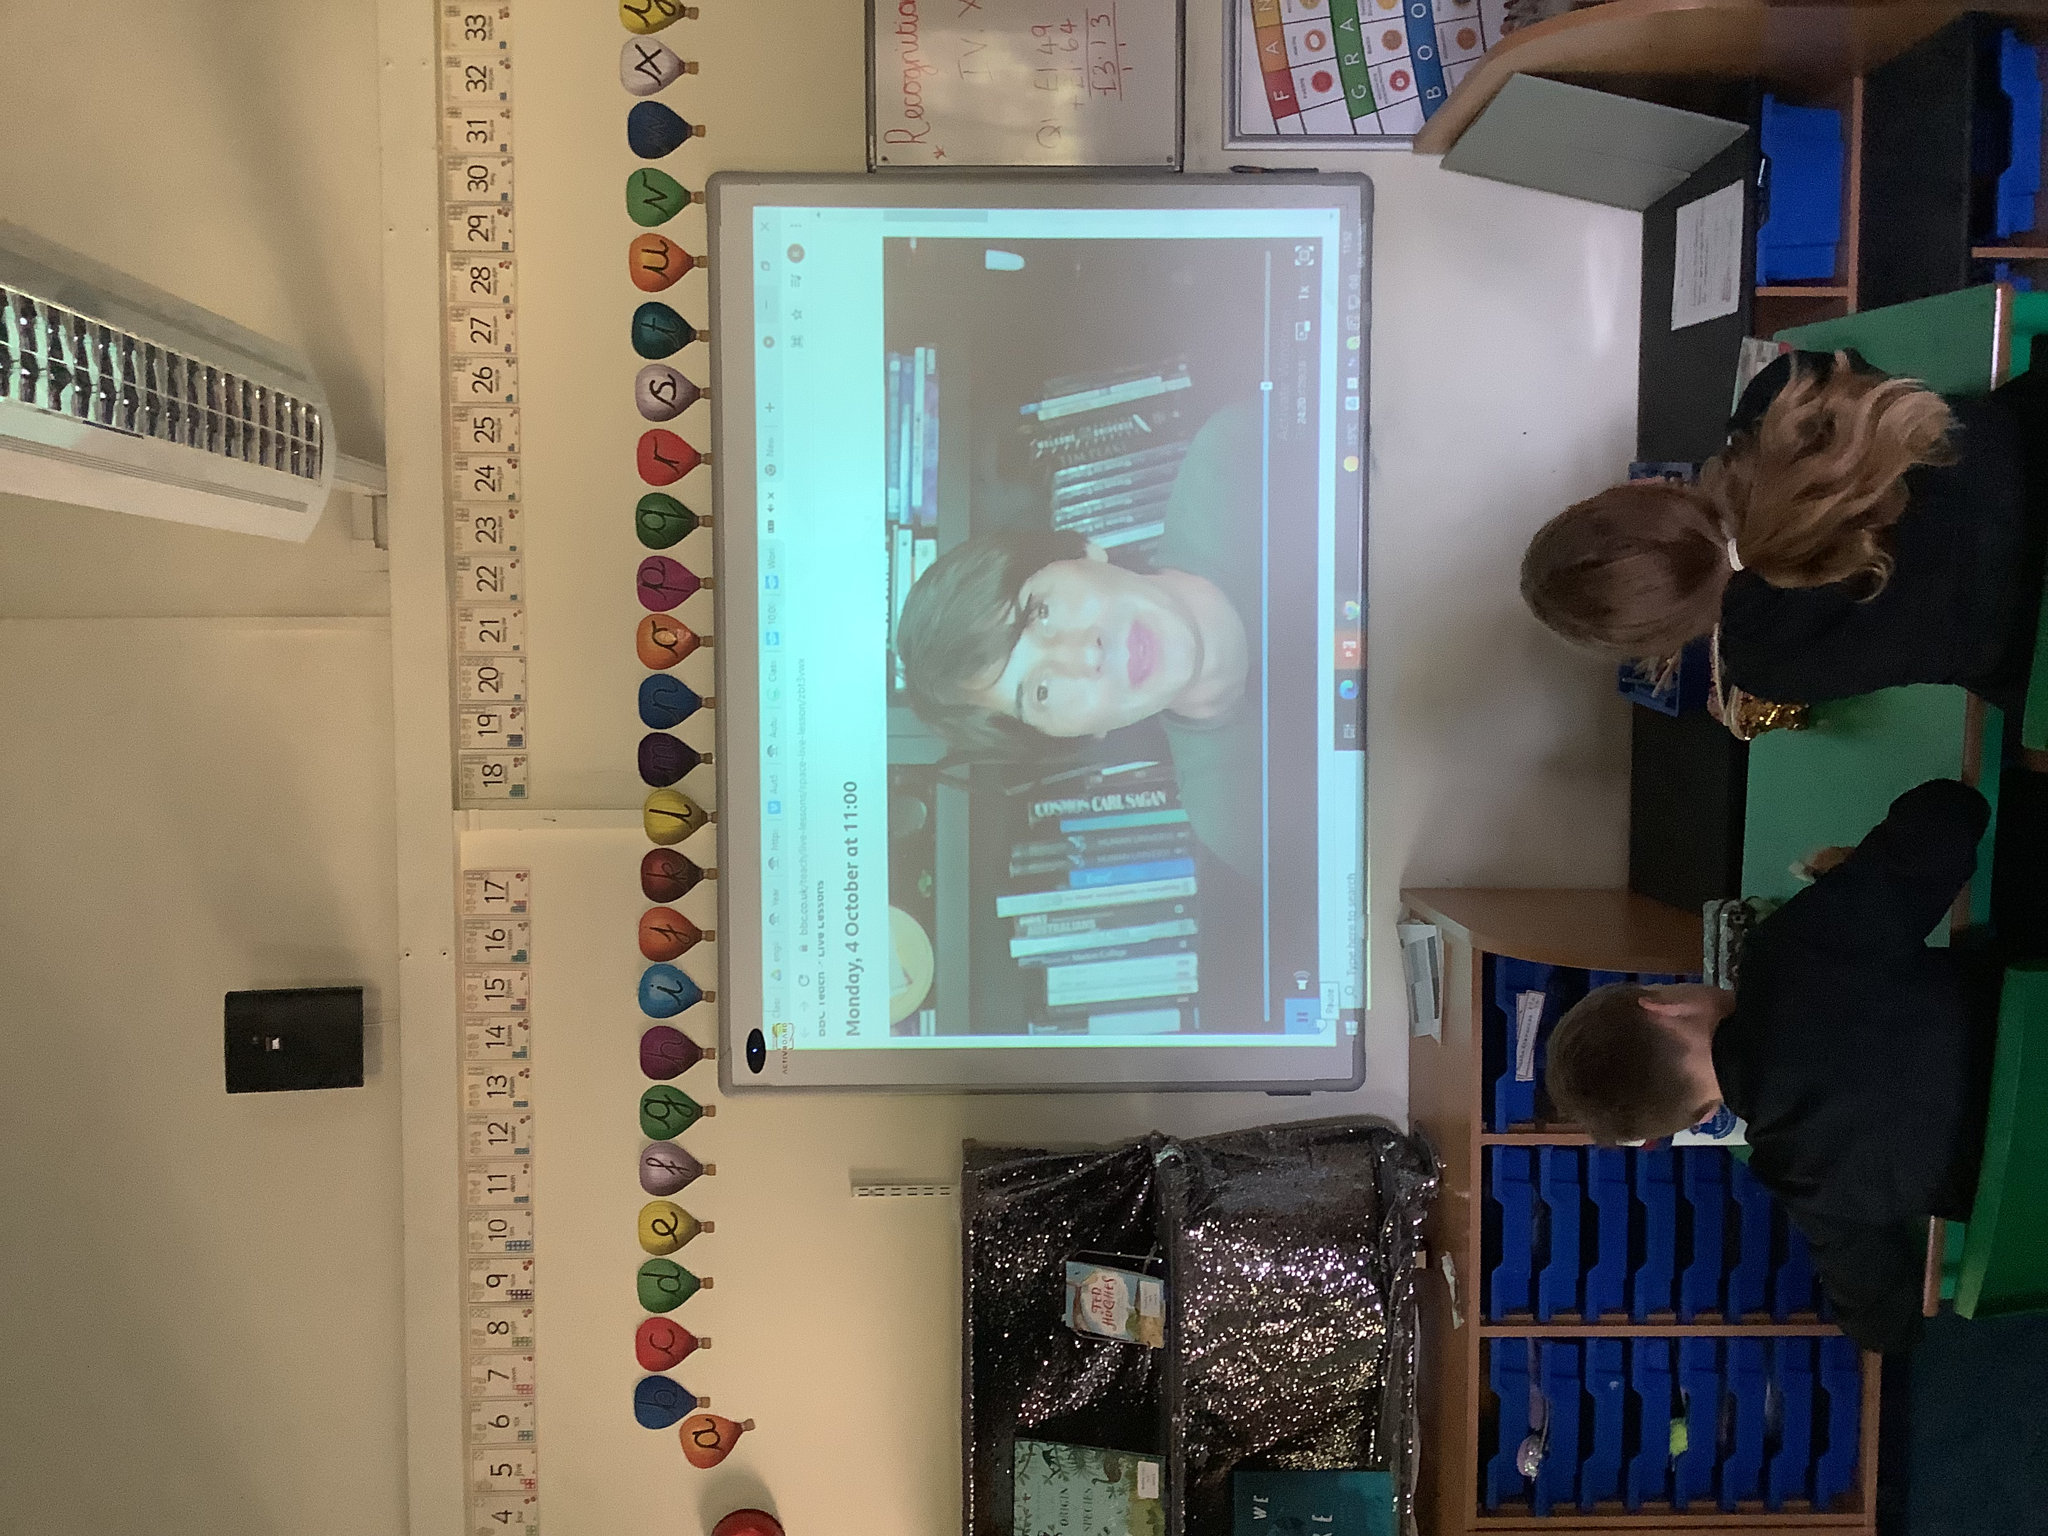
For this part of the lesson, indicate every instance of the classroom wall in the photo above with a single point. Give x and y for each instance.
(202, 1291)
(202, 1300)
(230, 154)
(1504, 347)
(227, 153)
(1504, 327)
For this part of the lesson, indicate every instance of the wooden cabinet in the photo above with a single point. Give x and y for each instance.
(1648, 47)
(1603, 930)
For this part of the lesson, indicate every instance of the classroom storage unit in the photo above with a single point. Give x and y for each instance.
(1941, 130)
(1951, 170)
(1646, 1314)
(1788, 301)
(1942, 174)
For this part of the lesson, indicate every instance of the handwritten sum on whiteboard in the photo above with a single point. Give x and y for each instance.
(1025, 82)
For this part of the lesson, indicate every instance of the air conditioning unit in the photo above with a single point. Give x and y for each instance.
(114, 394)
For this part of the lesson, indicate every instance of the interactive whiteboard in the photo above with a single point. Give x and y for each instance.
(1041, 665)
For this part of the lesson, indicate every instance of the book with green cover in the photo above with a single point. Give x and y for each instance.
(1275, 1503)
(1077, 1490)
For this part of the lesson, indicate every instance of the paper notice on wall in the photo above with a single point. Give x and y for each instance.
(1422, 964)
(1706, 268)
(1528, 1019)
(1755, 355)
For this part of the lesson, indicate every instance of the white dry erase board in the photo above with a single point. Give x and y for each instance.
(1039, 83)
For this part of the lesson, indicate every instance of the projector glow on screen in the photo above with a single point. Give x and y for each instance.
(1052, 627)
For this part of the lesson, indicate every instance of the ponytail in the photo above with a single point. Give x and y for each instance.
(1809, 493)
(1638, 569)
(1803, 499)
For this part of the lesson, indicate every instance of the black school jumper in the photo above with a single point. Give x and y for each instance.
(1860, 1056)
(1965, 587)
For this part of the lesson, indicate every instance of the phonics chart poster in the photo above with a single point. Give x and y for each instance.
(1356, 69)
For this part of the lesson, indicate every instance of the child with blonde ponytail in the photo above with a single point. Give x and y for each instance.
(1858, 532)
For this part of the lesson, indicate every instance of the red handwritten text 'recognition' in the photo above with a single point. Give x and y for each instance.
(915, 68)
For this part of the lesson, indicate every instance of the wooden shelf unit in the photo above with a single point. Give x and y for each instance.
(1779, 306)
(1794, 48)
(1606, 930)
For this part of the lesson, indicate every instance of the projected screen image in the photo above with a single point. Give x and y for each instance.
(1061, 627)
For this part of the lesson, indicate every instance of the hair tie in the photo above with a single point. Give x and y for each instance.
(1734, 557)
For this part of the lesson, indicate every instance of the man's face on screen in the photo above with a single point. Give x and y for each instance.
(1098, 647)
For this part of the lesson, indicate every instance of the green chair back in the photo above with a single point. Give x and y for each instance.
(1957, 343)
(2004, 1265)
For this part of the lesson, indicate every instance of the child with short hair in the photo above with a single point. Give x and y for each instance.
(1858, 1054)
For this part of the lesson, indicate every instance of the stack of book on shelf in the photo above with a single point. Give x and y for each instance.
(1101, 900)
(1112, 445)
(912, 479)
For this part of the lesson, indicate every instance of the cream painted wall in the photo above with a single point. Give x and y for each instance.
(1504, 346)
(202, 1304)
(1503, 384)
(202, 1298)
(226, 152)
(1503, 387)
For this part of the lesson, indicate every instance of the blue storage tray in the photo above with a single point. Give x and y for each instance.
(1742, 1470)
(1792, 1286)
(1699, 1379)
(1790, 1474)
(1841, 1384)
(1703, 1179)
(1607, 1388)
(2019, 76)
(1802, 217)
(1557, 1481)
(1507, 1371)
(1512, 1102)
(1649, 1469)
(1513, 1190)
(1750, 1275)
(1684, 691)
(1558, 1181)
(1656, 1191)
(1607, 1188)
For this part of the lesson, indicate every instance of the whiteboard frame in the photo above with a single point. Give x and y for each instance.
(731, 198)
(1039, 167)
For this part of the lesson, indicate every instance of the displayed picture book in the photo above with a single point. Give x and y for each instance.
(1077, 1490)
(1343, 1503)
(1110, 1300)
